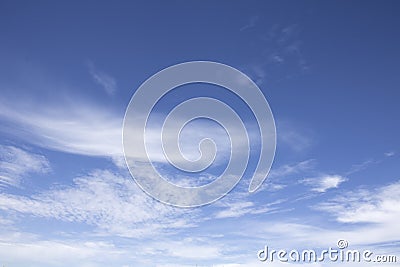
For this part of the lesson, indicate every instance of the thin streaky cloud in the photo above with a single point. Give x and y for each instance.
(251, 24)
(361, 166)
(277, 177)
(390, 154)
(78, 128)
(106, 81)
(16, 163)
(380, 205)
(335, 117)
(114, 205)
(295, 168)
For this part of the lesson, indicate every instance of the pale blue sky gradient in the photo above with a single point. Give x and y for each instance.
(330, 72)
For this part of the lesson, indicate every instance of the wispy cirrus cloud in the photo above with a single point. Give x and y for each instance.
(240, 206)
(364, 217)
(323, 183)
(390, 154)
(294, 137)
(284, 45)
(295, 168)
(107, 82)
(251, 23)
(282, 56)
(23, 248)
(92, 130)
(380, 205)
(78, 128)
(277, 177)
(108, 201)
(16, 163)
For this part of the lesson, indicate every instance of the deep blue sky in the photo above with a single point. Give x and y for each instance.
(329, 70)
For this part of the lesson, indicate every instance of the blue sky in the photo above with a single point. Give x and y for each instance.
(329, 71)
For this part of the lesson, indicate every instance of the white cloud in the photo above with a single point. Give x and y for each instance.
(381, 205)
(251, 24)
(108, 83)
(68, 126)
(37, 253)
(238, 209)
(295, 140)
(294, 137)
(111, 203)
(290, 235)
(16, 163)
(5, 222)
(242, 208)
(282, 49)
(276, 177)
(390, 154)
(323, 183)
(85, 129)
(363, 217)
(189, 140)
(192, 249)
(239, 203)
(361, 166)
(109, 199)
(289, 169)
